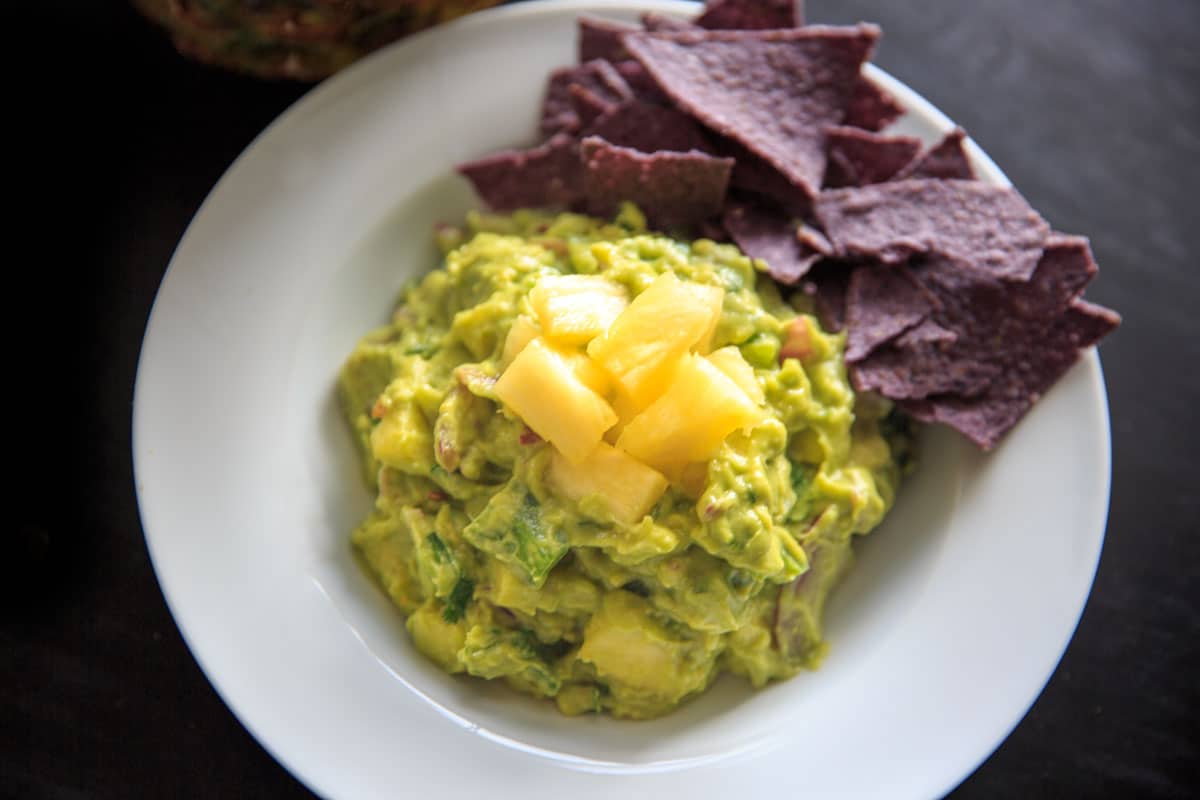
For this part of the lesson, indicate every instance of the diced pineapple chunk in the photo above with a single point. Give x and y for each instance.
(629, 488)
(630, 650)
(523, 331)
(713, 298)
(591, 374)
(541, 387)
(574, 309)
(626, 409)
(644, 663)
(689, 422)
(693, 479)
(730, 361)
(643, 345)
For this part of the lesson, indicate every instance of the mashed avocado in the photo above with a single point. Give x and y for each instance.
(503, 574)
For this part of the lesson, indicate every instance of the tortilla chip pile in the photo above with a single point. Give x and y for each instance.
(959, 302)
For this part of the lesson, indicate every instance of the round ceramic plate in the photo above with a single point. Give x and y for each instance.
(950, 624)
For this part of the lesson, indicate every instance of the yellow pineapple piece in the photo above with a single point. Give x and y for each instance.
(621, 641)
(688, 423)
(591, 374)
(693, 479)
(574, 309)
(629, 488)
(523, 331)
(643, 345)
(731, 361)
(713, 298)
(647, 666)
(622, 403)
(542, 388)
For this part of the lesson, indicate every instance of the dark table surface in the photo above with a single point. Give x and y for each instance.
(1091, 106)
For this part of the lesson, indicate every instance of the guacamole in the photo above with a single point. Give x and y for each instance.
(632, 594)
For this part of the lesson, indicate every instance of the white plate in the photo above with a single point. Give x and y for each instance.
(943, 635)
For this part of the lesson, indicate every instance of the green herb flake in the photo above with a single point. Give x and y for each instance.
(456, 603)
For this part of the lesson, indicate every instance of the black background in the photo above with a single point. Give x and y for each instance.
(1090, 106)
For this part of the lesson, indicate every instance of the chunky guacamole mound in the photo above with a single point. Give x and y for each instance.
(585, 497)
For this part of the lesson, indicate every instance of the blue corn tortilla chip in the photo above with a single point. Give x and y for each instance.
(986, 227)
(546, 176)
(986, 419)
(558, 112)
(881, 304)
(673, 189)
(713, 229)
(871, 108)
(827, 282)
(597, 76)
(649, 128)
(925, 332)
(992, 347)
(753, 175)
(858, 157)
(589, 106)
(771, 237)
(1066, 267)
(751, 14)
(658, 23)
(946, 159)
(907, 371)
(984, 314)
(639, 80)
(771, 91)
(601, 39)
(814, 240)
